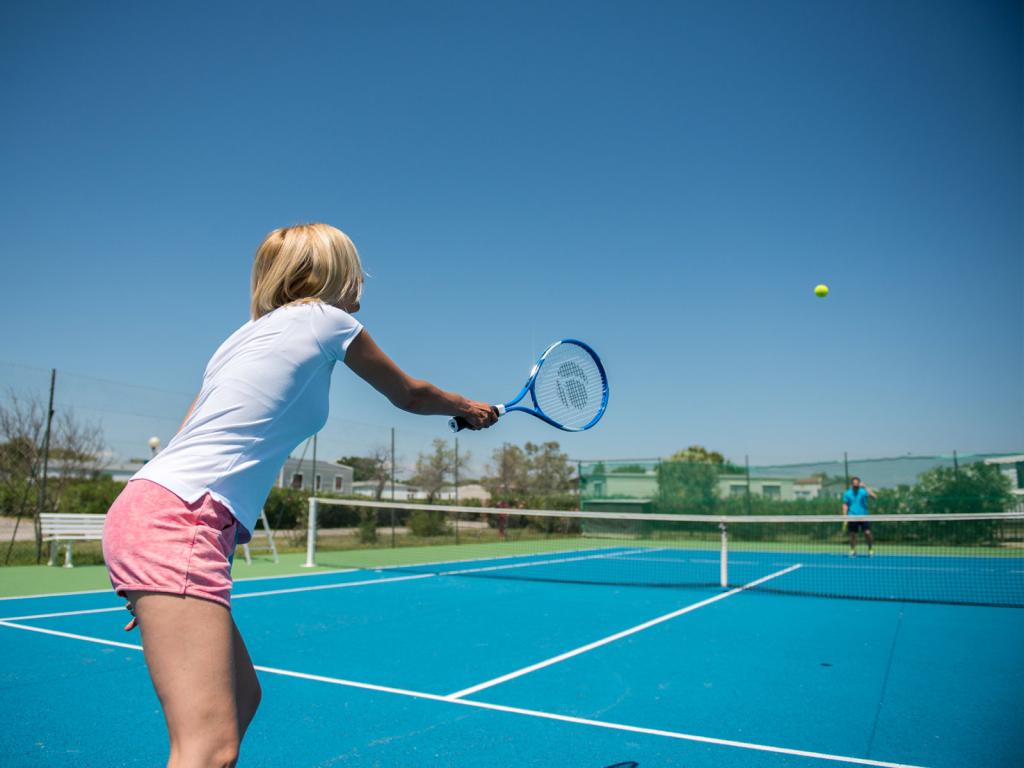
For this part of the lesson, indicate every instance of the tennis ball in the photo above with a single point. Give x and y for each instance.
(821, 291)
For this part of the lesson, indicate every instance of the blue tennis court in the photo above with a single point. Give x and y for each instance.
(413, 667)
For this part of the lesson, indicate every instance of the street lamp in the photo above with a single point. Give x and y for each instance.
(154, 446)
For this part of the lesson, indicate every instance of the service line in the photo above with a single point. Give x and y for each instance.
(617, 636)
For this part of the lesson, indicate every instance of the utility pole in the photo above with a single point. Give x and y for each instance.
(392, 487)
(46, 468)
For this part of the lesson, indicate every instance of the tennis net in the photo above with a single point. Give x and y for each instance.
(969, 559)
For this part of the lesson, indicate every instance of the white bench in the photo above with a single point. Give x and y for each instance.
(59, 528)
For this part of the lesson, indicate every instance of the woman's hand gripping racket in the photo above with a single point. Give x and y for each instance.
(567, 388)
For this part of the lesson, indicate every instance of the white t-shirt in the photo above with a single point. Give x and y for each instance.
(264, 391)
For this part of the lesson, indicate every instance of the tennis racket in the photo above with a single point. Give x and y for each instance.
(567, 388)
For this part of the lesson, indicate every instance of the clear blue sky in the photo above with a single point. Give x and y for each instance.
(665, 180)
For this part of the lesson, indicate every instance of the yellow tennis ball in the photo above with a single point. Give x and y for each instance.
(821, 291)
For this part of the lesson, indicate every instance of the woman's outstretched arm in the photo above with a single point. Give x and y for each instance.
(370, 363)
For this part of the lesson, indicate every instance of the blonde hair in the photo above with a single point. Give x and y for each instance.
(307, 262)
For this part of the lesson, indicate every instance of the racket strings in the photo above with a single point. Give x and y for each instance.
(570, 387)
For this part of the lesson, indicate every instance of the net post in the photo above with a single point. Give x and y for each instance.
(724, 560)
(311, 534)
(746, 464)
(456, 489)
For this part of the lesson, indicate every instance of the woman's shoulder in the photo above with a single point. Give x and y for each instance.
(323, 319)
(330, 313)
(334, 328)
(301, 309)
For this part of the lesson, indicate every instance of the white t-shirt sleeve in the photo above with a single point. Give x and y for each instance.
(334, 329)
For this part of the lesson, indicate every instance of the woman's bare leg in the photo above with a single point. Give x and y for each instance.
(190, 645)
(247, 687)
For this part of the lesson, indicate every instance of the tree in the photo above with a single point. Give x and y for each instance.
(688, 481)
(700, 454)
(973, 489)
(687, 486)
(21, 430)
(362, 467)
(508, 473)
(434, 468)
(375, 467)
(978, 488)
(535, 469)
(432, 472)
(76, 453)
(549, 470)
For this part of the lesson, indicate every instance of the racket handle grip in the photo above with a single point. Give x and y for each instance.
(457, 423)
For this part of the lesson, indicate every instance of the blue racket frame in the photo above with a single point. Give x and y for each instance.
(528, 389)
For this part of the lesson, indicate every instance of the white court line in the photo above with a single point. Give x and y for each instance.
(343, 585)
(324, 571)
(699, 560)
(509, 710)
(83, 612)
(57, 594)
(70, 635)
(534, 563)
(616, 636)
(872, 566)
(582, 720)
(520, 555)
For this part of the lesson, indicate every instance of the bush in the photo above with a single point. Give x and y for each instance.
(561, 501)
(759, 505)
(368, 526)
(427, 523)
(92, 497)
(976, 488)
(687, 486)
(17, 495)
(287, 508)
(544, 524)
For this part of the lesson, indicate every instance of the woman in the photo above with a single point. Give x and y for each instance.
(170, 536)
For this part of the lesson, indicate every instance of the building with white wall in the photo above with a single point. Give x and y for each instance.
(1013, 468)
(330, 477)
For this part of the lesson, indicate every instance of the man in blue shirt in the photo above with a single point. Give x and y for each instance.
(855, 504)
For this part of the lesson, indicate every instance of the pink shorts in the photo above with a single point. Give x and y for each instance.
(154, 541)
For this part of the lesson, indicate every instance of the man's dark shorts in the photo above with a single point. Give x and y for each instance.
(856, 526)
